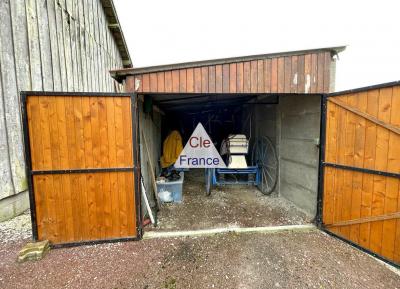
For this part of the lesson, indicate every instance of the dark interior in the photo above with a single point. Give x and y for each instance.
(220, 114)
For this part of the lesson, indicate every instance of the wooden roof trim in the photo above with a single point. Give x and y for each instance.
(121, 73)
(115, 27)
(365, 88)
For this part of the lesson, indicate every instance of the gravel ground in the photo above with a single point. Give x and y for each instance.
(18, 228)
(280, 260)
(253, 260)
(230, 206)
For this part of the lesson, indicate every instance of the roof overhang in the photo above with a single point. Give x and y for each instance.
(120, 74)
(116, 31)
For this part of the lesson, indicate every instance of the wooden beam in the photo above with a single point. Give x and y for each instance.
(113, 25)
(365, 220)
(371, 118)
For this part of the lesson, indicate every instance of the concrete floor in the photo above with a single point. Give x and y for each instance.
(229, 206)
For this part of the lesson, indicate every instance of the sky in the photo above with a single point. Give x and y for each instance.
(164, 32)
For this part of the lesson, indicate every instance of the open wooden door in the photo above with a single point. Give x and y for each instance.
(82, 160)
(360, 168)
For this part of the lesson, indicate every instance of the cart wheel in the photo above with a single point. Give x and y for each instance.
(264, 156)
(209, 175)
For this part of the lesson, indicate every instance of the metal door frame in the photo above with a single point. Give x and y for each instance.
(323, 164)
(135, 168)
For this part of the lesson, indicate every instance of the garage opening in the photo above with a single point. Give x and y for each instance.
(282, 131)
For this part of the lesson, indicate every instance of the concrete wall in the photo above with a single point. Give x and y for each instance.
(299, 118)
(266, 125)
(52, 45)
(266, 121)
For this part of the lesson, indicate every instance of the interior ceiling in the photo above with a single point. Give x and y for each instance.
(194, 102)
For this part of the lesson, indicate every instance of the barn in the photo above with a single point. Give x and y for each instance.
(52, 45)
(337, 160)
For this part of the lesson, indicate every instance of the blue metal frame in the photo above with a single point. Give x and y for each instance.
(246, 171)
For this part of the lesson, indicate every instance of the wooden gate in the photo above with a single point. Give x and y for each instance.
(361, 168)
(81, 155)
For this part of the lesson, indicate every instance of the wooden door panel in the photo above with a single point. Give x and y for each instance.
(81, 154)
(361, 169)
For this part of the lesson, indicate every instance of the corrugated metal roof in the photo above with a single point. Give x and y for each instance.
(115, 27)
(121, 73)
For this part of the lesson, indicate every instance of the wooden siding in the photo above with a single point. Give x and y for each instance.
(52, 45)
(364, 135)
(309, 73)
(74, 132)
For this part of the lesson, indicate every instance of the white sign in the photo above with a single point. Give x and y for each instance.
(199, 152)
